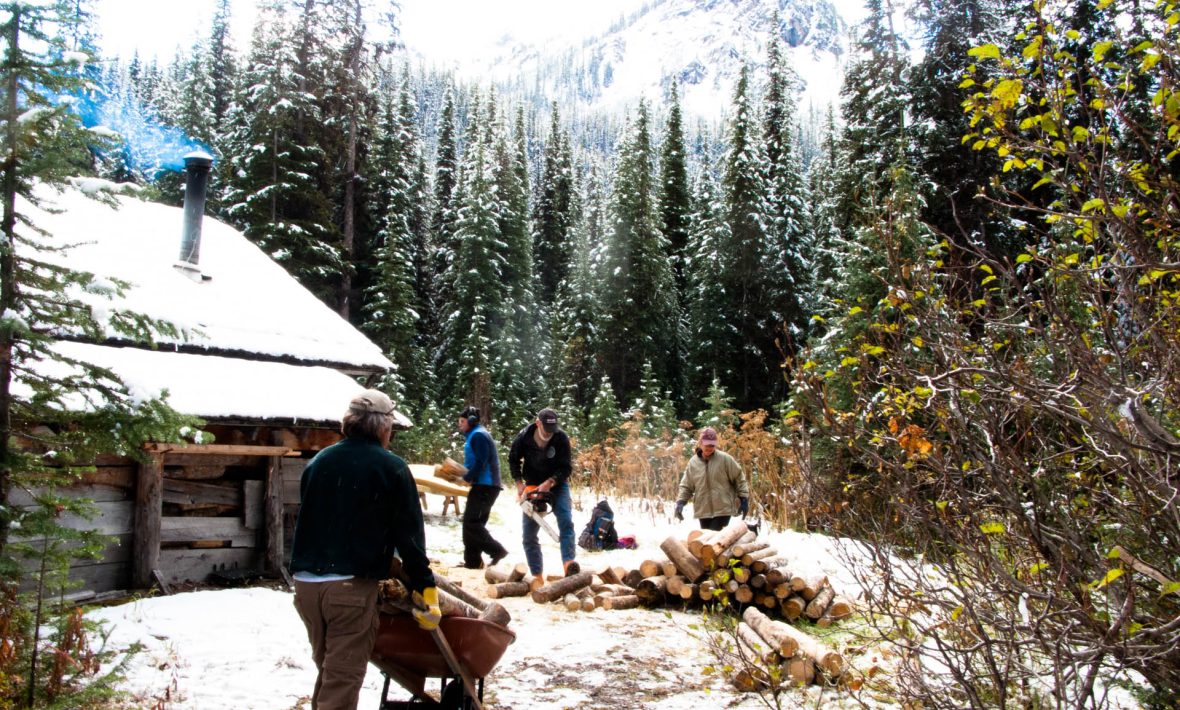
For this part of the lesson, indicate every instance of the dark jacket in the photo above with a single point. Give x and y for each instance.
(481, 459)
(357, 505)
(532, 464)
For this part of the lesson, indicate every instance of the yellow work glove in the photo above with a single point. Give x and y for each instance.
(426, 612)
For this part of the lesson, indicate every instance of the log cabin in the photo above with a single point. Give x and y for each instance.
(265, 364)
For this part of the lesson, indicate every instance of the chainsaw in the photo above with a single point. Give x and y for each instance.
(536, 504)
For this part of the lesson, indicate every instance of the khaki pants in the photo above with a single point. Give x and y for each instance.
(341, 621)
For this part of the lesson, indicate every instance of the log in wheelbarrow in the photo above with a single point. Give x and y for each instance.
(407, 655)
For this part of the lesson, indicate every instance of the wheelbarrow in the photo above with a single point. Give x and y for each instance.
(408, 655)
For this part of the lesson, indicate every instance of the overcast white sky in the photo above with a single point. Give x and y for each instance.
(457, 29)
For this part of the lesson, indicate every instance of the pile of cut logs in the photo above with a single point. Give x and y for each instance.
(727, 566)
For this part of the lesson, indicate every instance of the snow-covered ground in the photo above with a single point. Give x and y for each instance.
(246, 648)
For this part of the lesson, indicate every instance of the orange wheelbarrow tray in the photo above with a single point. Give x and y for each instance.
(408, 655)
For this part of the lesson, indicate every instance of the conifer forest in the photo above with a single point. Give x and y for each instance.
(948, 303)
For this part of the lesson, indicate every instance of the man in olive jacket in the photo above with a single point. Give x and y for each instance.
(714, 482)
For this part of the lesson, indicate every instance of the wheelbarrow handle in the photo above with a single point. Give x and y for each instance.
(449, 656)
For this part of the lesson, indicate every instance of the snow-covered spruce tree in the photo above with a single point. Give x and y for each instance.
(472, 317)
(221, 65)
(822, 207)
(956, 172)
(275, 196)
(638, 293)
(390, 304)
(575, 320)
(675, 200)
(876, 136)
(45, 441)
(521, 364)
(709, 333)
(746, 263)
(785, 197)
(604, 416)
(553, 217)
(653, 407)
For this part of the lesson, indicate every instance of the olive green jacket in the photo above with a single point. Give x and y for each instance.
(713, 486)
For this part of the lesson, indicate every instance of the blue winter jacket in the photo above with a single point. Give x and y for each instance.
(480, 458)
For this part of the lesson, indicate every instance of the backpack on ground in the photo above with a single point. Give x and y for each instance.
(600, 533)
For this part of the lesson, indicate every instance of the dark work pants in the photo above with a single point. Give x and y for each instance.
(716, 523)
(476, 538)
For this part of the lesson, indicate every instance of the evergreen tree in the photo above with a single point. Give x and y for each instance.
(638, 294)
(604, 416)
(521, 356)
(552, 215)
(675, 202)
(222, 65)
(473, 315)
(654, 407)
(745, 263)
(873, 104)
(45, 441)
(787, 282)
(275, 196)
(391, 304)
(710, 332)
(576, 319)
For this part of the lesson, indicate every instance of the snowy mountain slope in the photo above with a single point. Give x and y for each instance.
(700, 44)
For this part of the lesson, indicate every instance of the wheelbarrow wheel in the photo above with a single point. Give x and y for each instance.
(453, 697)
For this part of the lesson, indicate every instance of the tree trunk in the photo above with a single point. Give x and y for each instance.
(508, 589)
(685, 562)
(626, 602)
(563, 586)
(772, 632)
(652, 591)
(8, 278)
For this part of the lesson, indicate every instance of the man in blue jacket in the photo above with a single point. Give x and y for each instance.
(483, 473)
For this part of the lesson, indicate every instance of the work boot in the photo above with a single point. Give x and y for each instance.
(572, 568)
(498, 556)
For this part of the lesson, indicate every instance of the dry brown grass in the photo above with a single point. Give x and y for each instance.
(628, 464)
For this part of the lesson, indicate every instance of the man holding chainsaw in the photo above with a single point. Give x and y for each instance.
(540, 464)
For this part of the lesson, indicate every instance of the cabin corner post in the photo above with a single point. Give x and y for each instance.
(149, 496)
(273, 504)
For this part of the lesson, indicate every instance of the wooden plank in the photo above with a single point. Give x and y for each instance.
(191, 529)
(272, 505)
(23, 498)
(149, 491)
(210, 462)
(113, 460)
(183, 565)
(117, 476)
(215, 449)
(191, 472)
(290, 492)
(191, 493)
(252, 501)
(293, 468)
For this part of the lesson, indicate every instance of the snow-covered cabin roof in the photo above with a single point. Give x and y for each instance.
(255, 343)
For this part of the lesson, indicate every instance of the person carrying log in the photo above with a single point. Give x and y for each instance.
(483, 473)
(357, 504)
(540, 464)
(714, 482)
